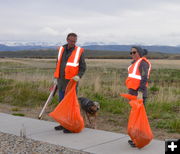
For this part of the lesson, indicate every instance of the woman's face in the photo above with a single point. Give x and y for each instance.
(134, 54)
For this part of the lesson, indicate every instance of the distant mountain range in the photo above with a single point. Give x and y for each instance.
(153, 48)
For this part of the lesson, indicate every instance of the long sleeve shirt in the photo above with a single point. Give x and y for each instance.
(143, 68)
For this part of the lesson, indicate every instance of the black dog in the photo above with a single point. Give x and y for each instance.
(89, 110)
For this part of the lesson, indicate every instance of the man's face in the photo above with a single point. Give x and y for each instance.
(134, 54)
(71, 40)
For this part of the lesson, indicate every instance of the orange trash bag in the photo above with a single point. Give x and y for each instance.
(138, 126)
(129, 96)
(67, 113)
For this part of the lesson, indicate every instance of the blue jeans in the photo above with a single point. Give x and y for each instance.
(61, 95)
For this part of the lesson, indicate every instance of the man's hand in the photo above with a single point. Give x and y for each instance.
(76, 78)
(55, 81)
(140, 95)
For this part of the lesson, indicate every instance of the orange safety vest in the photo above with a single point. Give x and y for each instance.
(134, 76)
(72, 65)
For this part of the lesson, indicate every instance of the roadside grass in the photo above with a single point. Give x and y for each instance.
(18, 114)
(24, 93)
(164, 115)
(15, 109)
(26, 84)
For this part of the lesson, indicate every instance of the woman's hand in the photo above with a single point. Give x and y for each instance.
(140, 95)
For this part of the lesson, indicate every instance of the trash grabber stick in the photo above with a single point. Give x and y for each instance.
(48, 100)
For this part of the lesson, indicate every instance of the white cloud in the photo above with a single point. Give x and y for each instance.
(49, 31)
(119, 21)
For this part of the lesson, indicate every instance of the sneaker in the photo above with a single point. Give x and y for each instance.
(59, 127)
(131, 143)
(66, 131)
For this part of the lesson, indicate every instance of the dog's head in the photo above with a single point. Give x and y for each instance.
(94, 107)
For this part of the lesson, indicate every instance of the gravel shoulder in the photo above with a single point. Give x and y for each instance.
(11, 144)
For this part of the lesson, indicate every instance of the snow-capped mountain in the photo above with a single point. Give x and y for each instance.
(34, 45)
(28, 43)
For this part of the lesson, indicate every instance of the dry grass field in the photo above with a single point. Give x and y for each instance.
(124, 63)
(24, 87)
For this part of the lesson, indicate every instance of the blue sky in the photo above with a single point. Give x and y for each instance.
(147, 22)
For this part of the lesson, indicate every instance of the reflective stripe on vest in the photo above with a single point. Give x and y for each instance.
(149, 68)
(75, 63)
(133, 74)
(60, 53)
(72, 65)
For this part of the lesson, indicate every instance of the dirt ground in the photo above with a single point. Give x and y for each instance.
(106, 122)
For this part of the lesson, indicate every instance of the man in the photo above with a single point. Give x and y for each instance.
(70, 65)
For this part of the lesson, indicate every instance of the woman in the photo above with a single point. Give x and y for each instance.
(138, 74)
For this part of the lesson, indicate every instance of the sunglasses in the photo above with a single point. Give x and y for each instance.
(134, 52)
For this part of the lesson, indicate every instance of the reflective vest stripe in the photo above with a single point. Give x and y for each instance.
(134, 78)
(75, 63)
(129, 67)
(149, 69)
(136, 66)
(133, 74)
(60, 52)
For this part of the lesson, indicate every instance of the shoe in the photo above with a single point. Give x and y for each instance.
(59, 127)
(66, 131)
(131, 143)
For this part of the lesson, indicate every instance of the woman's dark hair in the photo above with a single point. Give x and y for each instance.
(145, 52)
(140, 50)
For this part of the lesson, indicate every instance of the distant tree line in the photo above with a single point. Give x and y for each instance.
(91, 54)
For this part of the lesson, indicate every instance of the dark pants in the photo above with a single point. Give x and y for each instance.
(62, 93)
